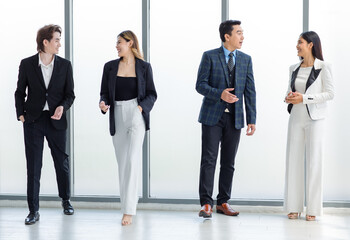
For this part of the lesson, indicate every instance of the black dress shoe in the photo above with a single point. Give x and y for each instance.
(32, 218)
(67, 207)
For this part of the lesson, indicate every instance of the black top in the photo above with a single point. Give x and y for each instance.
(125, 88)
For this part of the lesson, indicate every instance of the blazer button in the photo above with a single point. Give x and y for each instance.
(47, 94)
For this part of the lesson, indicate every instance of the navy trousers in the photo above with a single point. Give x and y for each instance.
(223, 132)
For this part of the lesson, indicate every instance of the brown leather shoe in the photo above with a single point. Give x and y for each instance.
(226, 209)
(206, 211)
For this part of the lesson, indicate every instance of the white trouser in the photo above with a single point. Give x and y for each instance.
(127, 141)
(304, 165)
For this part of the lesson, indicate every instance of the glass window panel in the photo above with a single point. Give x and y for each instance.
(270, 38)
(180, 32)
(329, 19)
(96, 26)
(19, 27)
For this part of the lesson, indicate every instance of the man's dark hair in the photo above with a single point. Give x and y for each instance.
(227, 27)
(46, 32)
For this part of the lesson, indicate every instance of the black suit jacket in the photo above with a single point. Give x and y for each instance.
(31, 93)
(146, 95)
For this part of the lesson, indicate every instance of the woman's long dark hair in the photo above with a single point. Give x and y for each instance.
(311, 36)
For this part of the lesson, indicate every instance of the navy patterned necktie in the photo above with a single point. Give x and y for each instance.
(230, 62)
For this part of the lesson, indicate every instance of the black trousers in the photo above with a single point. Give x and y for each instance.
(223, 132)
(34, 133)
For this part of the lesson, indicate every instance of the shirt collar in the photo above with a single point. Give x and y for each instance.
(227, 52)
(49, 65)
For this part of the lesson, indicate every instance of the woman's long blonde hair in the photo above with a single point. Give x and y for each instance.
(129, 35)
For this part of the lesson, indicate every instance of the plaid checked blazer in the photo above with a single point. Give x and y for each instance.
(213, 78)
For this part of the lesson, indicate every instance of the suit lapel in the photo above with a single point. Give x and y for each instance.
(113, 77)
(140, 69)
(294, 76)
(114, 69)
(237, 67)
(38, 70)
(56, 65)
(292, 86)
(224, 65)
(313, 76)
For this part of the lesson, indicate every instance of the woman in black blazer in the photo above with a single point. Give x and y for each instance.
(128, 91)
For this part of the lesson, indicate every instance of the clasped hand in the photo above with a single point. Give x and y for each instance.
(294, 98)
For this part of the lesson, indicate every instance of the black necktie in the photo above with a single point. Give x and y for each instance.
(230, 62)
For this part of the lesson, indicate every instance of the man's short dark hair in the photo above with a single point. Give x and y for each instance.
(227, 27)
(46, 32)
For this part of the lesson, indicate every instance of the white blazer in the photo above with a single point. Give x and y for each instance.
(319, 88)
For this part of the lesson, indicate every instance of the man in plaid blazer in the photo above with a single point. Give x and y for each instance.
(225, 76)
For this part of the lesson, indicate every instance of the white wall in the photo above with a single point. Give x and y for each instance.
(271, 29)
(330, 20)
(179, 36)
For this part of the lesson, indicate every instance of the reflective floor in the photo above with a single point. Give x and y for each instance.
(167, 225)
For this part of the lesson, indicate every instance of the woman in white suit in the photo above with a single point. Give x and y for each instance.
(310, 87)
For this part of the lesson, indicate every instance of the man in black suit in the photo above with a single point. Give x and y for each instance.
(44, 93)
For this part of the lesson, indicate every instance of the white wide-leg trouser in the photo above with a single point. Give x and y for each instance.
(127, 141)
(304, 163)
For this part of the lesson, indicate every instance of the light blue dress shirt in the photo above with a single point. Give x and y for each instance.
(227, 52)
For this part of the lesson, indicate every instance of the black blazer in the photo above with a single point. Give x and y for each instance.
(146, 95)
(31, 93)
